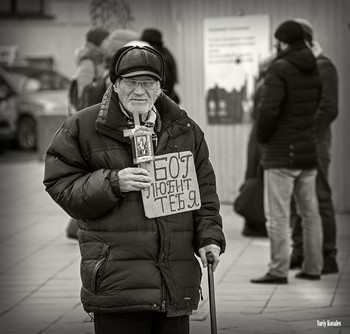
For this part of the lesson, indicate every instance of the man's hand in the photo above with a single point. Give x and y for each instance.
(212, 249)
(133, 179)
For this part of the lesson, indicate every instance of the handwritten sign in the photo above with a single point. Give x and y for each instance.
(174, 187)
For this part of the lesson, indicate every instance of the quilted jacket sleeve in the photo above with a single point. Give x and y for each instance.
(268, 108)
(327, 111)
(83, 193)
(208, 222)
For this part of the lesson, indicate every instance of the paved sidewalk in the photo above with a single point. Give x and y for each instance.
(40, 283)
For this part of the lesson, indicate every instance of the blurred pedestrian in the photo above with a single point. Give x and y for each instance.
(100, 58)
(255, 227)
(90, 61)
(139, 275)
(285, 128)
(326, 113)
(87, 87)
(116, 40)
(155, 39)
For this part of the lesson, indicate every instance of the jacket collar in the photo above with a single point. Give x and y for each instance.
(300, 56)
(111, 121)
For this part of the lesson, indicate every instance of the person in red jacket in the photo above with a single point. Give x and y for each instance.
(139, 275)
(326, 113)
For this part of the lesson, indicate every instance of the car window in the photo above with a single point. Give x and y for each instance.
(46, 80)
(19, 79)
(59, 81)
(51, 81)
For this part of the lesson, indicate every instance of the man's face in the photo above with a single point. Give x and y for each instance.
(136, 96)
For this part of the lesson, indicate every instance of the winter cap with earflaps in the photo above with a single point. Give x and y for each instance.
(96, 35)
(290, 32)
(132, 61)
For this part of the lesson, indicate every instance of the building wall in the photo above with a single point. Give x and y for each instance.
(46, 37)
(182, 26)
(181, 22)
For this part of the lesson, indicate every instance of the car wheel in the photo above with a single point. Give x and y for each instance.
(26, 134)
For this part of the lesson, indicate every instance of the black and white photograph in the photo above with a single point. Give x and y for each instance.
(174, 167)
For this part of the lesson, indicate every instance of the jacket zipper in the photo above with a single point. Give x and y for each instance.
(163, 297)
(160, 257)
(163, 306)
(98, 266)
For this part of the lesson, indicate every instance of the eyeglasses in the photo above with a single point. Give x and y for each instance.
(147, 84)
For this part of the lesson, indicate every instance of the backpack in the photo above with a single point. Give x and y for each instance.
(92, 94)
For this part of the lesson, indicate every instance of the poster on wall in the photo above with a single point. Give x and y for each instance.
(234, 47)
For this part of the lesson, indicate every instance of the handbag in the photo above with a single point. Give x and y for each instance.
(250, 201)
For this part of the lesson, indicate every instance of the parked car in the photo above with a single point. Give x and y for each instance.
(25, 94)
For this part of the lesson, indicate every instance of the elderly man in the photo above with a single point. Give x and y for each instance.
(139, 275)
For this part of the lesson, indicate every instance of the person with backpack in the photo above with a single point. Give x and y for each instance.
(87, 89)
(90, 62)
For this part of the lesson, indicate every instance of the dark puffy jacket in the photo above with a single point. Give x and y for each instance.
(131, 263)
(286, 112)
(327, 110)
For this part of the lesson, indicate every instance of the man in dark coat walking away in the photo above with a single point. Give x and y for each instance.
(139, 275)
(285, 128)
(155, 39)
(327, 112)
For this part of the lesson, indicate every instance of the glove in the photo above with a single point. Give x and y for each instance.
(214, 250)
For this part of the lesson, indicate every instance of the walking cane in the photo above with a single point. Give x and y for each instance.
(210, 259)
